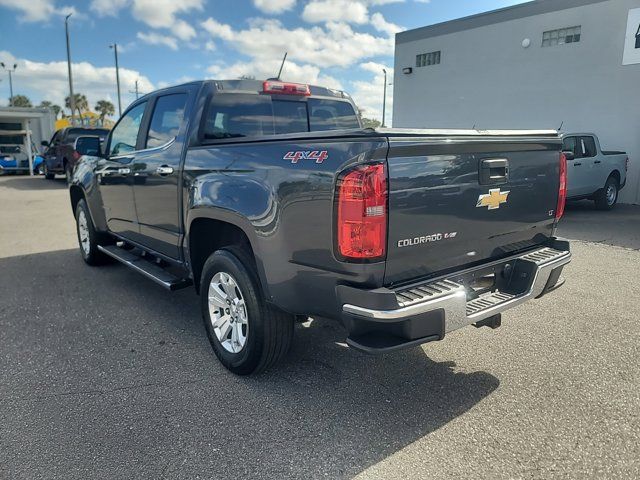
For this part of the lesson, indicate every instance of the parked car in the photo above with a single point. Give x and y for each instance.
(273, 201)
(60, 155)
(593, 173)
(14, 160)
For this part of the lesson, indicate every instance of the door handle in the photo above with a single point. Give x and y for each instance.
(598, 161)
(164, 170)
(124, 171)
(494, 171)
(577, 164)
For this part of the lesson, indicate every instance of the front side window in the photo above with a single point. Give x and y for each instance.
(571, 144)
(125, 134)
(166, 120)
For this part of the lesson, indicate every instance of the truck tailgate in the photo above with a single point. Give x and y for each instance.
(464, 200)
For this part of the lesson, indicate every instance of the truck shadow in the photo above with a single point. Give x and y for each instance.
(18, 182)
(105, 351)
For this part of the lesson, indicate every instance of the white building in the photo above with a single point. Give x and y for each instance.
(541, 64)
(20, 127)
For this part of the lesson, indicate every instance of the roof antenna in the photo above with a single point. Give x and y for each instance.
(282, 65)
(560, 127)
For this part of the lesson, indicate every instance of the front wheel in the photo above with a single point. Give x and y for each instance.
(88, 237)
(47, 174)
(246, 333)
(607, 198)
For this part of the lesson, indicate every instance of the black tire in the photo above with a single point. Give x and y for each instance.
(269, 331)
(607, 198)
(67, 172)
(47, 175)
(89, 250)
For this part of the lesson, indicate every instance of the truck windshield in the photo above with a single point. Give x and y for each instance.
(247, 115)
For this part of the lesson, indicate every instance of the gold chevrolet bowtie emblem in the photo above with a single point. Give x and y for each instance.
(493, 199)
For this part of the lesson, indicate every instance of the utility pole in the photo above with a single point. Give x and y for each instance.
(10, 70)
(384, 97)
(115, 50)
(72, 99)
(136, 90)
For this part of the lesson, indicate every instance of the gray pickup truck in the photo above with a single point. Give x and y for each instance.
(593, 173)
(273, 201)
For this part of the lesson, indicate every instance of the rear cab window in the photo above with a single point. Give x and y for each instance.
(238, 115)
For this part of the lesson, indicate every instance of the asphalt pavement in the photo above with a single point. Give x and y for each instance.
(103, 374)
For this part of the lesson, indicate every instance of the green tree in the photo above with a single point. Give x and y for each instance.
(105, 108)
(80, 103)
(20, 101)
(51, 106)
(367, 122)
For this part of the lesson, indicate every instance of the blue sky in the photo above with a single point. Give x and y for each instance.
(337, 43)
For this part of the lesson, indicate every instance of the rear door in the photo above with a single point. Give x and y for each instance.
(454, 203)
(577, 168)
(156, 173)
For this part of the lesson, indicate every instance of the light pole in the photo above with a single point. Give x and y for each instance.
(72, 99)
(10, 70)
(115, 50)
(384, 97)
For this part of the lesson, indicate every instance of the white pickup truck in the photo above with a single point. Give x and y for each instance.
(592, 173)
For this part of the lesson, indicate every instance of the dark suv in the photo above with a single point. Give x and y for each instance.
(61, 153)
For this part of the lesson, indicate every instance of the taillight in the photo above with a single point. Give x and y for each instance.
(562, 189)
(362, 212)
(282, 88)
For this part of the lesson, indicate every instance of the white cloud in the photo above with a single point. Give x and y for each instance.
(368, 95)
(335, 44)
(37, 10)
(48, 81)
(210, 46)
(108, 7)
(380, 24)
(163, 13)
(320, 11)
(153, 38)
(183, 30)
(274, 6)
(217, 29)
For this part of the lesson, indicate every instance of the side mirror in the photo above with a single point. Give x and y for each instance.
(88, 146)
(569, 155)
(44, 143)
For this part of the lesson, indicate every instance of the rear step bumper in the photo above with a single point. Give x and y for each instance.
(383, 320)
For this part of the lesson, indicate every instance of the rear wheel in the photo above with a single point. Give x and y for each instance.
(47, 174)
(88, 237)
(246, 333)
(607, 198)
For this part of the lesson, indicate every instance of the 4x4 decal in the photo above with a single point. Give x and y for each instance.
(317, 155)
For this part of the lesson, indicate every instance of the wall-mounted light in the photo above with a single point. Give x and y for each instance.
(526, 43)
(407, 70)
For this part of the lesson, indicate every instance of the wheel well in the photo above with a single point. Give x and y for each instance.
(615, 174)
(76, 194)
(206, 236)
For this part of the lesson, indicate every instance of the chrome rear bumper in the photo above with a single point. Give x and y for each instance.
(539, 271)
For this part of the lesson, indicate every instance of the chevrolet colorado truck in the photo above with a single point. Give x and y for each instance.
(593, 173)
(273, 201)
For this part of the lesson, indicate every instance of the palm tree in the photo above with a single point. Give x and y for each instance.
(80, 104)
(20, 101)
(51, 106)
(104, 108)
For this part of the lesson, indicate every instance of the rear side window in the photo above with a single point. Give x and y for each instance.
(589, 146)
(247, 115)
(570, 144)
(238, 115)
(166, 120)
